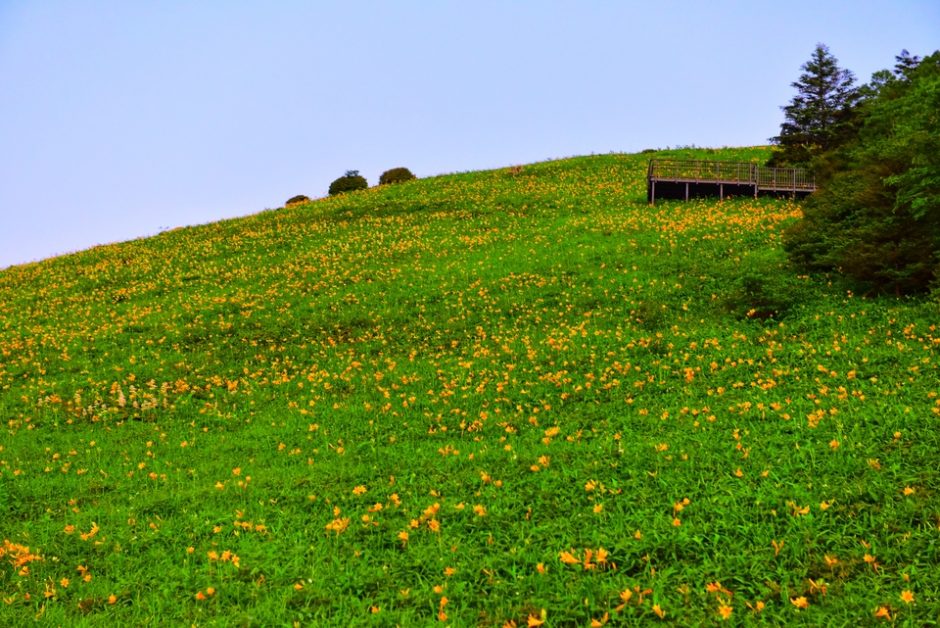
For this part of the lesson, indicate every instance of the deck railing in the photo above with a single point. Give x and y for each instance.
(785, 179)
(701, 171)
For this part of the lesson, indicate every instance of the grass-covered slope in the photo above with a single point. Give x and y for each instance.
(485, 398)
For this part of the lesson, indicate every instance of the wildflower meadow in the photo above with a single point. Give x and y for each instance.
(518, 397)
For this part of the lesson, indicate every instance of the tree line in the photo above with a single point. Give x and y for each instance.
(875, 150)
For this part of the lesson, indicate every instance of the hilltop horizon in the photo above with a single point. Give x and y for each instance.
(127, 118)
(373, 183)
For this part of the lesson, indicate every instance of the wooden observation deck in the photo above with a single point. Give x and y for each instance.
(685, 179)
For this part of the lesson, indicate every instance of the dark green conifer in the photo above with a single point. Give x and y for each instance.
(817, 119)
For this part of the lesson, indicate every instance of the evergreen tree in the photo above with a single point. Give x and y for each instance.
(817, 119)
(905, 63)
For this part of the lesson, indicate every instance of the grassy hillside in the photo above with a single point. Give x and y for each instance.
(485, 398)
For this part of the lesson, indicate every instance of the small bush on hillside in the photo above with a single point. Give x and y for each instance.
(761, 295)
(396, 175)
(349, 182)
(650, 315)
(297, 200)
(760, 284)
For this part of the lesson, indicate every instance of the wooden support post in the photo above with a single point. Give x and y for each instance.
(653, 192)
(686, 190)
(721, 191)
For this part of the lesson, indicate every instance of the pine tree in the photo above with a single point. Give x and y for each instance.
(817, 118)
(905, 63)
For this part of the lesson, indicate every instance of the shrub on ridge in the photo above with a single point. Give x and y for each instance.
(349, 182)
(396, 175)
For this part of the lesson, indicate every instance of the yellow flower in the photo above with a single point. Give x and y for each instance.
(625, 599)
(907, 596)
(91, 533)
(800, 602)
(338, 525)
(725, 611)
(568, 558)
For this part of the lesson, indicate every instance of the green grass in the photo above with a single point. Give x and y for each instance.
(517, 368)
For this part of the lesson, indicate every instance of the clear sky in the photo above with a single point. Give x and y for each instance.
(119, 119)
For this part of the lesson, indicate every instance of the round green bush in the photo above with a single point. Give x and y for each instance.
(297, 200)
(349, 182)
(396, 175)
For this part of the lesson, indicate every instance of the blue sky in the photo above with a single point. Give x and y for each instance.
(119, 119)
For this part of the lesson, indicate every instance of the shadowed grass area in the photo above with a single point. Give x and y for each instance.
(492, 397)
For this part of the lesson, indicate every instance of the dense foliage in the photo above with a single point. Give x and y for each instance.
(479, 399)
(876, 216)
(818, 118)
(349, 182)
(396, 175)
